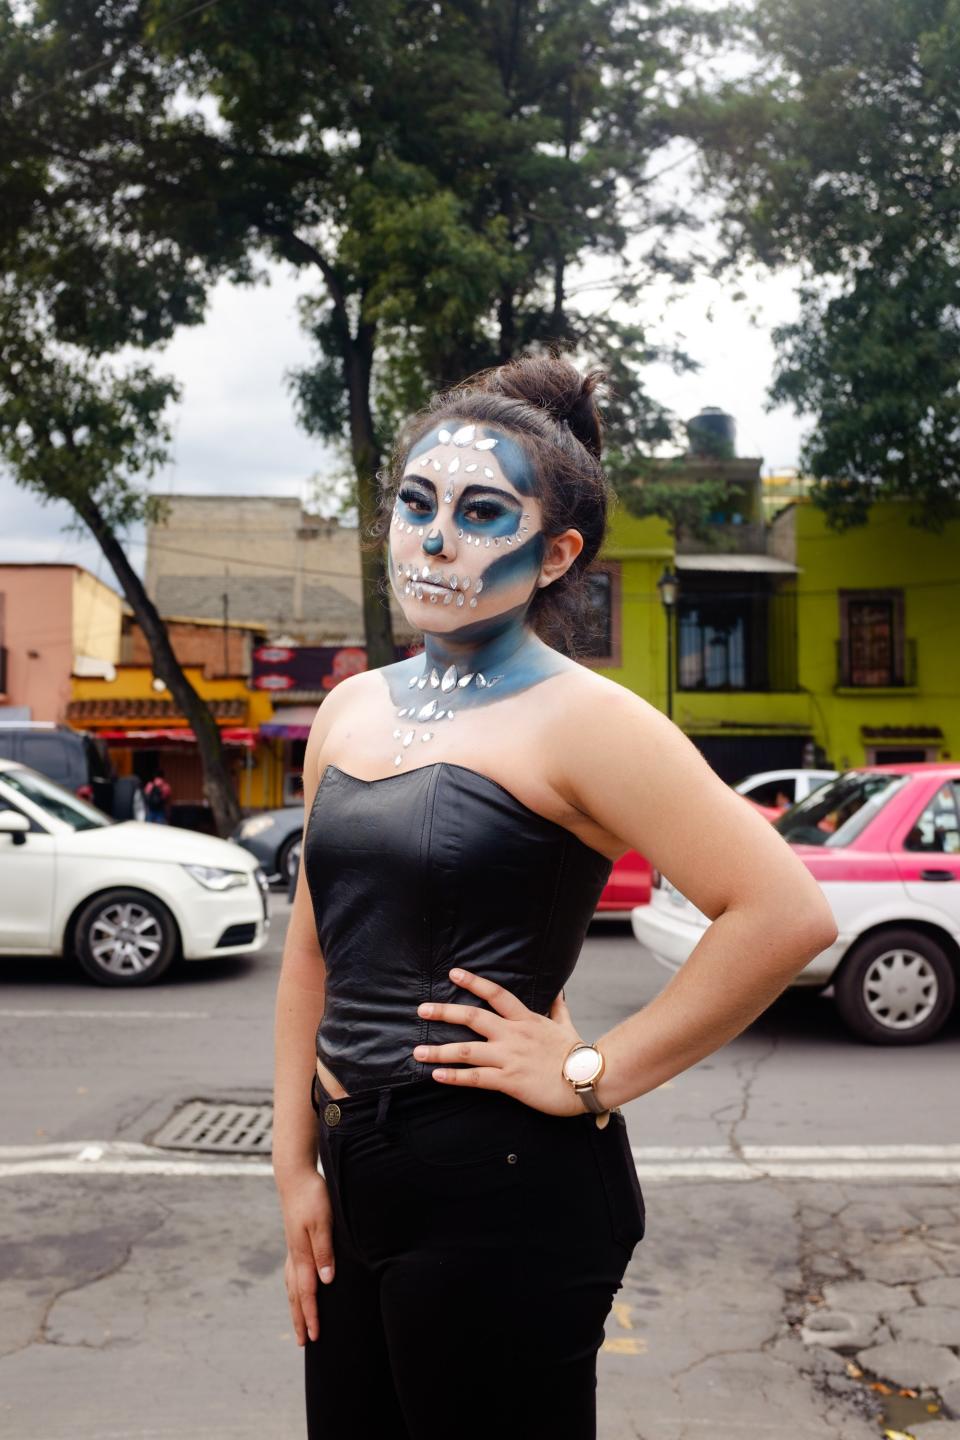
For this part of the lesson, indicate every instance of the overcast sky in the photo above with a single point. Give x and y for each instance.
(234, 430)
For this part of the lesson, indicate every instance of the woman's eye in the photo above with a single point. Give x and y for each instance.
(413, 498)
(483, 510)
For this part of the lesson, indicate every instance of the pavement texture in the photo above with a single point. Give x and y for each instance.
(139, 1308)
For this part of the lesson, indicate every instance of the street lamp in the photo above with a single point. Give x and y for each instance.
(668, 585)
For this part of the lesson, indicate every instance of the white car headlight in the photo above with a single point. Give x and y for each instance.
(216, 879)
(255, 826)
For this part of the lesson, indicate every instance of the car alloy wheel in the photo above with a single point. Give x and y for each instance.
(125, 937)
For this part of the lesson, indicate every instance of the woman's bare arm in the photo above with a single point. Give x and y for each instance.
(299, 1009)
(307, 1212)
(640, 777)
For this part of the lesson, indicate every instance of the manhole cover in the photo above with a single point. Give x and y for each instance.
(216, 1125)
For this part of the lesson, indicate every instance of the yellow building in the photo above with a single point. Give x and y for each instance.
(792, 644)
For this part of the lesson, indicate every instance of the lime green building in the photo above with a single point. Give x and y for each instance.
(790, 644)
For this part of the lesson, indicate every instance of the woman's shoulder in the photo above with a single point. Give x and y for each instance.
(589, 696)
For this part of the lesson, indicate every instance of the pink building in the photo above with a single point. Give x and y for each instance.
(55, 621)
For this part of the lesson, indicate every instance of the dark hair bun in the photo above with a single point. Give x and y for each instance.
(552, 383)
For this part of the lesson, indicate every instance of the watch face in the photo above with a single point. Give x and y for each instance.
(582, 1064)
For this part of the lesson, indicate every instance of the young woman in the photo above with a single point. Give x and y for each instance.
(478, 1204)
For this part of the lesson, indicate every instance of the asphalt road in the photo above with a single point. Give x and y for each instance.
(139, 1302)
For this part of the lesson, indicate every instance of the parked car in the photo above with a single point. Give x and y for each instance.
(78, 761)
(126, 899)
(884, 843)
(773, 791)
(273, 836)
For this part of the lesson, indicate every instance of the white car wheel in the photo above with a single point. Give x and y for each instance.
(896, 987)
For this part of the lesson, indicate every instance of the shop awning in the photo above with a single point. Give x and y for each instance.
(292, 723)
(737, 564)
(180, 736)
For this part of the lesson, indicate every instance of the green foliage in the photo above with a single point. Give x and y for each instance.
(842, 159)
(443, 171)
(687, 505)
(73, 429)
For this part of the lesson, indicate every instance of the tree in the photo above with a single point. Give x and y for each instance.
(442, 171)
(76, 431)
(842, 160)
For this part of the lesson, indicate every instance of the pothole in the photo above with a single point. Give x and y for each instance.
(900, 1406)
(218, 1126)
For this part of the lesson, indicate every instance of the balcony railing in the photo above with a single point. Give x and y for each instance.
(726, 539)
(901, 673)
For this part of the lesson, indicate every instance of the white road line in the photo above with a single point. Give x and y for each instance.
(117, 1014)
(654, 1163)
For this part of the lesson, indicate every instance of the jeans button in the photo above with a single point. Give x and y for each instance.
(331, 1114)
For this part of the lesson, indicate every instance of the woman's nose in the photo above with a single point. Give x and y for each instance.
(433, 542)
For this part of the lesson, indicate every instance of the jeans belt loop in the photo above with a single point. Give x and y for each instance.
(383, 1112)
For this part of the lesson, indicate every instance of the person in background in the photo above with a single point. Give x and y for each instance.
(157, 793)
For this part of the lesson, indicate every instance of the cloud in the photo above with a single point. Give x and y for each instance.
(235, 432)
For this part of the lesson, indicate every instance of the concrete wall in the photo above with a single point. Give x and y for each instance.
(38, 634)
(200, 645)
(887, 552)
(279, 567)
(97, 618)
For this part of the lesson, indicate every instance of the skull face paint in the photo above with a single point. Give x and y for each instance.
(466, 541)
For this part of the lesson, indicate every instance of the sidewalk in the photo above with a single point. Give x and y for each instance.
(151, 1306)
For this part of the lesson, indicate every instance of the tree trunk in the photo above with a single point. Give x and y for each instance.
(377, 620)
(217, 782)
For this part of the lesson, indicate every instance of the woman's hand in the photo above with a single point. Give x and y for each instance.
(308, 1224)
(522, 1051)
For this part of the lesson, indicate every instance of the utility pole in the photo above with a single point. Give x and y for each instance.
(226, 631)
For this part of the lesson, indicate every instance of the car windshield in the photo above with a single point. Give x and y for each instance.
(54, 800)
(836, 813)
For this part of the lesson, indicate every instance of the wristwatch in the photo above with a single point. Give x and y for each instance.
(582, 1067)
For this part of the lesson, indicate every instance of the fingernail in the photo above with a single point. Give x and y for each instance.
(425, 1010)
(326, 1274)
(456, 974)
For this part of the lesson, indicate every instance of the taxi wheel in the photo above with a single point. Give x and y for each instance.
(896, 987)
(125, 937)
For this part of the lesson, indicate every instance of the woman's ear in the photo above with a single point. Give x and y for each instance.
(560, 551)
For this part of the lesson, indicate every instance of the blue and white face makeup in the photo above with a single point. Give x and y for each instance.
(466, 540)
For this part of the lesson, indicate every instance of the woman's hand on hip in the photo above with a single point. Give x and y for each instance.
(521, 1052)
(308, 1224)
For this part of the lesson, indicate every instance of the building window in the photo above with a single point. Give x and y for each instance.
(871, 638)
(601, 644)
(712, 643)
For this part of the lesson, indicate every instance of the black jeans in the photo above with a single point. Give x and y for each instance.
(479, 1244)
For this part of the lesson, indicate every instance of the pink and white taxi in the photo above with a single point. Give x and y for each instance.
(884, 843)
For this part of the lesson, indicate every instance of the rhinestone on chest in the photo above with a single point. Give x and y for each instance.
(422, 717)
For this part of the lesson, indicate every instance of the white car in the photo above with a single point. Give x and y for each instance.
(776, 789)
(883, 842)
(126, 899)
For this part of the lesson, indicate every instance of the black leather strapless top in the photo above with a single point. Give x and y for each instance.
(416, 872)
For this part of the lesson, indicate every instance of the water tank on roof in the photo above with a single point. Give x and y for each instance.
(712, 432)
